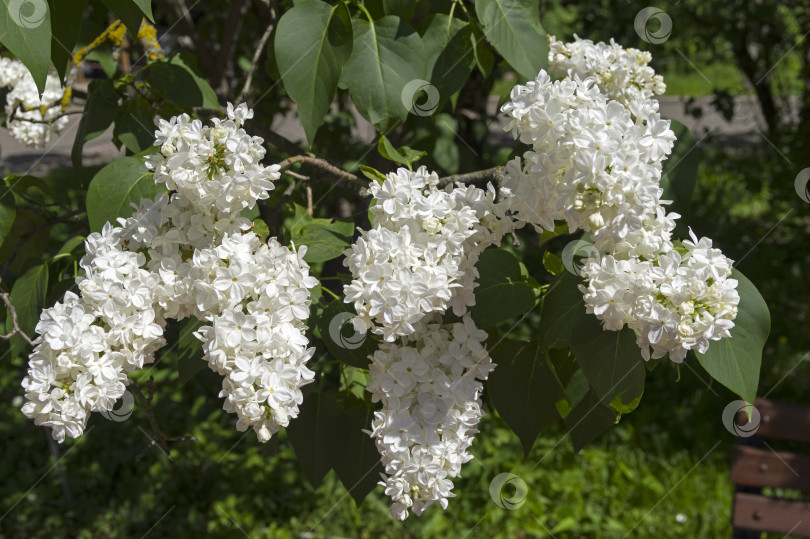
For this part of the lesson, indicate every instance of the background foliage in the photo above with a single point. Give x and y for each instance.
(667, 458)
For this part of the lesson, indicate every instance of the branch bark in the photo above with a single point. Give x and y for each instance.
(478, 177)
(256, 56)
(15, 323)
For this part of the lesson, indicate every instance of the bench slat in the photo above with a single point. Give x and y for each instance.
(753, 512)
(765, 468)
(783, 421)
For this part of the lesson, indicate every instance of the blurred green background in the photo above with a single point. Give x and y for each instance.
(662, 472)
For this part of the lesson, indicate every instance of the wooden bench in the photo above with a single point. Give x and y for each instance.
(755, 465)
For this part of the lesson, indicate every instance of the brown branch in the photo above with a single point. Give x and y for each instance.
(295, 175)
(321, 164)
(309, 201)
(478, 177)
(160, 439)
(15, 323)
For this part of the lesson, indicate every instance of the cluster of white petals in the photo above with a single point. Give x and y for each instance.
(429, 385)
(185, 254)
(596, 161)
(622, 74)
(420, 255)
(32, 118)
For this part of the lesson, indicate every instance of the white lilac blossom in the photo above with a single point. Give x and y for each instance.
(430, 389)
(33, 119)
(622, 74)
(188, 254)
(420, 255)
(597, 149)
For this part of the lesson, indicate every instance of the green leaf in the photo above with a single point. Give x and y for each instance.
(450, 57)
(552, 263)
(338, 334)
(501, 293)
(131, 12)
(324, 239)
(313, 42)
(70, 249)
(66, 16)
(611, 361)
(562, 309)
(524, 390)
(175, 81)
(135, 125)
(679, 175)
(354, 456)
(118, 184)
(484, 58)
(312, 434)
(404, 156)
(99, 113)
(25, 30)
(387, 55)
(8, 211)
(28, 297)
(513, 28)
(372, 173)
(736, 362)
(590, 418)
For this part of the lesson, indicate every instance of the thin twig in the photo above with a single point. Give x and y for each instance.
(254, 62)
(478, 177)
(15, 323)
(295, 175)
(160, 439)
(309, 200)
(322, 164)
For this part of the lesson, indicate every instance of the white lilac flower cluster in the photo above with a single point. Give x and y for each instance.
(622, 74)
(596, 163)
(188, 254)
(429, 384)
(32, 119)
(420, 256)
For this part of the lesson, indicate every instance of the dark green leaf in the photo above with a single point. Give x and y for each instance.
(612, 363)
(513, 28)
(71, 248)
(8, 211)
(403, 156)
(338, 334)
(679, 175)
(524, 390)
(563, 306)
(355, 456)
(387, 55)
(118, 184)
(135, 125)
(312, 434)
(28, 297)
(25, 30)
(484, 58)
(590, 418)
(501, 293)
(372, 173)
(66, 19)
(552, 263)
(99, 113)
(177, 82)
(450, 57)
(736, 362)
(313, 42)
(189, 351)
(131, 12)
